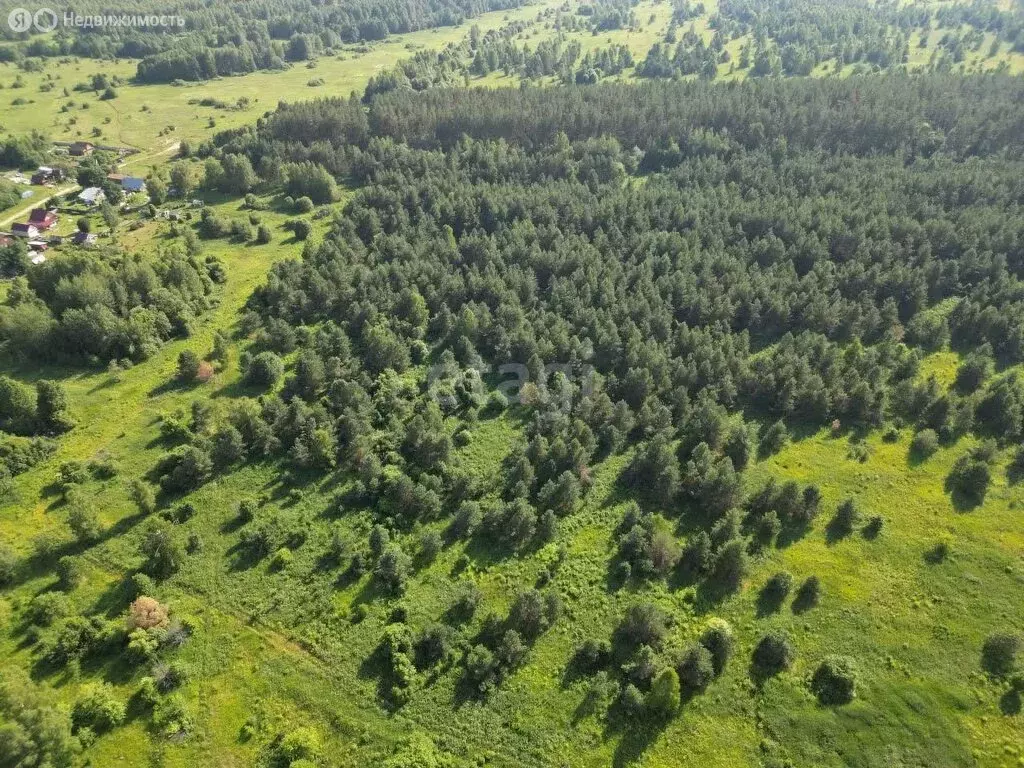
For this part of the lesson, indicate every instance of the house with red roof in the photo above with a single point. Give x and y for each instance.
(42, 218)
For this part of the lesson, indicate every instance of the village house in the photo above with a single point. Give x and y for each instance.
(46, 175)
(83, 238)
(91, 196)
(132, 184)
(128, 184)
(81, 148)
(42, 218)
(24, 229)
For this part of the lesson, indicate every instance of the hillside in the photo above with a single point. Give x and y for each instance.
(641, 419)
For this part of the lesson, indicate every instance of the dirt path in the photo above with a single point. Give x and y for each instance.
(12, 217)
(143, 157)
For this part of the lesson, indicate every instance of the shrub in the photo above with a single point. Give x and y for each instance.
(304, 205)
(774, 439)
(973, 371)
(999, 653)
(142, 646)
(184, 469)
(529, 614)
(303, 229)
(146, 694)
(147, 613)
(75, 638)
(697, 557)
(379, 540)
(263, 234)
(808, 595)
(141, 584)
(631, 700)
(392, 571)
(969, 478)
(434, 646)
(717, 638)
(463, 607)
(663, 699)
(731, 565)
(835, 680)
(170, 716)
(282, 558)
(773, 653)
(874, 527)
(643, 624)
(430, 546)
(924, 444)
(8, 566)
(46, 608)
(481, 669)
(179, 514)
(511, 651)
(98, 708)
(69, 572)
(496, 403)
(162, 553)
(83, 520)
(846, 518)
(188, 366)
(264, 370)
(778, 586)
(592, 654)
(142, 495)
(695, 667)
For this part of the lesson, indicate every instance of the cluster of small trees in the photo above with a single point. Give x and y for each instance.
(38, 410)
(639, 676)
(88, 309)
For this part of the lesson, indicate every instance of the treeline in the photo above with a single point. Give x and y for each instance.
(896, 114)
(238, 38)
(667, 122)
(479, 55)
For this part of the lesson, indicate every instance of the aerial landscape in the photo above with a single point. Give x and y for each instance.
(448, 383)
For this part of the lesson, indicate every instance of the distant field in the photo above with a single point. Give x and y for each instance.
(154, 118)
(142, 115)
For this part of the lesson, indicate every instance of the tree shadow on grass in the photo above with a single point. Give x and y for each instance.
(114, 600)
(769, 602)
(376, 667)
(803, 602)
(710, 595)
(962, 501)
(243, 557)
(1010, 703)
(836, 531)
(1015, 473)
(791, 533)
(172, 385)
(637, 736)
